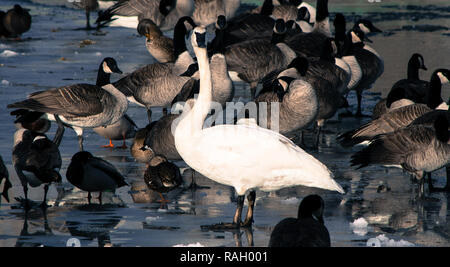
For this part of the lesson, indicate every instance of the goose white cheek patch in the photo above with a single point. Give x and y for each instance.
(363, 28)
(442, 77)
(106, 68)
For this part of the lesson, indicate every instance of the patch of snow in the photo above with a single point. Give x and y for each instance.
(359, 226)
(384, 241)
(198, 244)
(8, 53)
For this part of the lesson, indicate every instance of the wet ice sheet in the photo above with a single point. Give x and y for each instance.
(54, 54)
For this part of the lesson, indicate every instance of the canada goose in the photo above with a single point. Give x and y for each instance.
(123, 129)
(93, 174)
(372, 66)
(17, 21)
(164, 13)
(157, 84)
(4, 174)
(252, 60)
(88, 6)
(162, 176)
(158, 45)
(307, 230)
(286, 10)
(309, 44)
(139, 154)
(400, 117)
(36, 160)
(417, 149)
(80, 105)
(31, 120)
(415, 89)
(278, 168)
(298, 101)
(411, 89)
(207, 11)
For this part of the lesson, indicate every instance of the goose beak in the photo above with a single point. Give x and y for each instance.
(116, 69)
(375, 29)
(367, 39)
(423, 67)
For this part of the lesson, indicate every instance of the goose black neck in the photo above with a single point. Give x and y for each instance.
(267, 8)
(327, 52)
(413, 70)
(434, 98)
(217, 44)
(322, 10)
(277, 37)
(179, 41)
(103, 78)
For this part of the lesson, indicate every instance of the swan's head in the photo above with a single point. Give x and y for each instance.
(198, 38)
(303, 14)
(441, 125)
(417, 61)
(109, 65)
(366, 26)
(279, 27)
(301, 64)
(312, 206)
(221, 22)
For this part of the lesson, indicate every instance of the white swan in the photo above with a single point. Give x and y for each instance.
(244, 156)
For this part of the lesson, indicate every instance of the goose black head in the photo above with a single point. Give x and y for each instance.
(361, 36)
(303, 14)
(395, 94)
(301, 64)
(221, 22)
(18, 9)
(82, 157)
(295, 2)
(444, 75)
(441, 125)
(366, 26)
(165, 6)
(109, 65)
(292, 25)
(417, 61)
(199, 37)
(322, 10)
(279, 27)
(312, 206)
(339, 26)
(281, 86)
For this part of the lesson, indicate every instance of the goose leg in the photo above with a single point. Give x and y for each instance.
(359, 98)
(80, 142)
(25, 192)
(89, 198)
(44, 202)
(59, 132)
(100, 198)
(6, 187)
(251, 204)
(149, 115)
(253, 87)
(88, 25)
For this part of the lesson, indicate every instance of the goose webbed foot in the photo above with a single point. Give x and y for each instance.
(110, 145)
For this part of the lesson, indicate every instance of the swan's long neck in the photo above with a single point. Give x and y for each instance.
(195, 118)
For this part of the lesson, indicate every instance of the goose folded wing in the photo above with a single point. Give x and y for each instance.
(78, 100)
(393, 148)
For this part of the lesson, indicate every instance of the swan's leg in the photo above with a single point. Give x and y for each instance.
(238, 214)
(251, 204)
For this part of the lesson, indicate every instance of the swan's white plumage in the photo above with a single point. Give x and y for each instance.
(244, 156)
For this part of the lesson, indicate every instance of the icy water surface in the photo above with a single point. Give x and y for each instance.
(53, 54)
